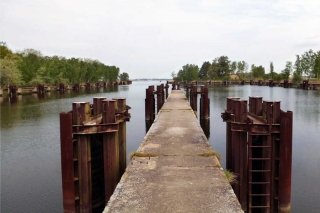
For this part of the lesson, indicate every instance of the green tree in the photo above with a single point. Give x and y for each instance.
(4, 50)
(114, 73)
(257, 72)
(287, 71)
(124, 76)
(223, 66)
(271, 70)
(30, 63)
(297, 73)
(233, 67)
(35, 68)
(73, 70)
(213, 70)
(9, 72)
(242, 68)
(278, 77)
(307, 63)
(316, 68)
(188, 72)
(203, 73)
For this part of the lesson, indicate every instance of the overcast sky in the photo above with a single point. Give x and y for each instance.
(153, 38)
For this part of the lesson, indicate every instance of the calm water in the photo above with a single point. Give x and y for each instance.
(30, 143)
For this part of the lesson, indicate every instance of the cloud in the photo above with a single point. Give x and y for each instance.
(153, 38)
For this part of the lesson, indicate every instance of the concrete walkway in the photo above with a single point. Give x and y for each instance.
(173, 177)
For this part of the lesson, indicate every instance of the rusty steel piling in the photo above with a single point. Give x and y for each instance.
(92, 152)
(259, 152)
(305, 84)
(61, 87)
(166, 87)
(12, 90)
(192, 94)
(40, 89)
(153, 106)
(271, 84)
(121, 116)
(160, 97)
(204, 103)
(285, 164)
(150, 104)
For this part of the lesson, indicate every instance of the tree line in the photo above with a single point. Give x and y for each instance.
(307, 65)
(29, 68)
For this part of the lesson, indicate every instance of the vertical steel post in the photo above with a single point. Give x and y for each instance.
(255, 105)
(167, 87)
(194, 98)
(122, 140)
(204, 103)
(85, 190)
(67, 163)
(147, 107)
(236, 149)
(81, 112)
(159, 98)
(243, 155)
(201, 101)
(285, 155)
(229, 156)
(121, 107)
(163, 97)
(110, 150)
(239, 152)
(149, 103)
(187, 91)
(97, 105)
(111, 163)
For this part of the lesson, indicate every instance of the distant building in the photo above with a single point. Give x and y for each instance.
(234, 77)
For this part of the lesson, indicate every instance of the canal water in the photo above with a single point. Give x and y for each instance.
(30, 141)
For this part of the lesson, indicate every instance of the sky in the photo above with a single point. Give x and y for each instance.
(153, 38)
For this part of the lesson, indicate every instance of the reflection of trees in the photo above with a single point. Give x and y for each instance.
(124, 88)
(30, 106)
(17, 109)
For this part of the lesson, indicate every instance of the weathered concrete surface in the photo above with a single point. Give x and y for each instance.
(177, 179)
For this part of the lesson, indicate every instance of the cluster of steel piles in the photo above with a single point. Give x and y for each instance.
(175, 85)
(150, 103)
(93, 152)
(305, 84)
(13, 90)
(259, 152)
(192, 94)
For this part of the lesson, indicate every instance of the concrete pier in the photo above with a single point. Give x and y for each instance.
(170, 171)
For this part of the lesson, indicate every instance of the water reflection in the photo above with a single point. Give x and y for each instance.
(13, 99)
(124, 88)
(205, 125)
(30, 144)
